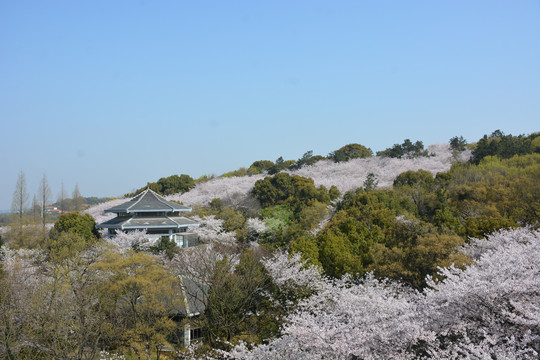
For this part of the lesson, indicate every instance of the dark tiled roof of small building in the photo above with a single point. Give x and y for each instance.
(193, 298)
(148, 201)
(195, 293)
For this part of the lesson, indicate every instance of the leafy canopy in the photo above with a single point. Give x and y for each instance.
(350, 151)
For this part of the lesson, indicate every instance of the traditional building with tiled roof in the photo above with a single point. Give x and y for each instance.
(151, 212)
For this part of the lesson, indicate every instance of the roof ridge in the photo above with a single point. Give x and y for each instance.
(141, 195)
(184, 295)
(125, 223)
(161, 199)
(167, 216)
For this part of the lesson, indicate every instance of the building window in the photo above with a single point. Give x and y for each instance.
(195, 334)
(157, 231)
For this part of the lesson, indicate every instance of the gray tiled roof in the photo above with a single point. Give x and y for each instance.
(148, 201)
(195, 295)
(141, 222)
(113, 223)
(183, 221)
(149, 222)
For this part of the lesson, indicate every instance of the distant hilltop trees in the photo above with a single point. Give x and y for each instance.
(168, 185)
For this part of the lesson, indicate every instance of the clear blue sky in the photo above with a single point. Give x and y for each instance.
(113, 94)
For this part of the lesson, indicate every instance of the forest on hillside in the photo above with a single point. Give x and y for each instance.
(409, 253)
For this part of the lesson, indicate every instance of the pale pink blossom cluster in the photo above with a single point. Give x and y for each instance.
(23, 279)
(105, 355)
(211, 230)
(232, 190)
(256, 225)
(196, 267)
(130, 240)
(489, 310)
(476, 248)
(345, 176)
(198, 262)
(370, 320)
(98, 211)
(351, 175)
(494, 305)
(24, 261)
(290, 271)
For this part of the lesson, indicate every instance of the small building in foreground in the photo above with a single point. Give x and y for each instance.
(150, 211)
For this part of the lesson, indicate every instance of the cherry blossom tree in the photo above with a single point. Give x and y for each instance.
(489, 310)
(49, 309)
(492, 308)
(196, 266)
(346, 176)
(352, 174)
(98, 211)
(255, 229)
(19, 285)
(256, 225)
(233, 191)
(131, 240)
(291, 272)
(211, 230)
(368, 320)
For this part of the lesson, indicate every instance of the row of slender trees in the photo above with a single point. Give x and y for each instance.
(42, 199)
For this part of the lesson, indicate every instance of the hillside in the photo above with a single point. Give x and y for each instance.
(346, 176)
(413, 253)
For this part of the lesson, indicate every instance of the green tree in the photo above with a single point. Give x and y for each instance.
(165, 246)
(504, 146)
(345, 244)
(407, 149)
(415, 256)
(286, 189)
(350, 151)
(281, 165)
(176, 184)
(83, 225)
(139, 297)
(168, 185)
(458, 143)
(240, 172)
(259, 166)
(411, 178)
(371, 182)
(308, 249)
(307, 159)
(419, 187)
(236, 308)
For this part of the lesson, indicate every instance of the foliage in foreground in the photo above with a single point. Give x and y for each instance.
(70, 300)
(489, 310)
